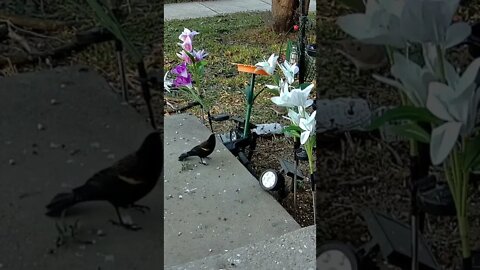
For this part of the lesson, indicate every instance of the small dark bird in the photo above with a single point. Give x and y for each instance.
(202, 150)
(122, 184)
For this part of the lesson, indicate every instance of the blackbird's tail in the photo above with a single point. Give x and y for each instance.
(61, 202)
(183, 156)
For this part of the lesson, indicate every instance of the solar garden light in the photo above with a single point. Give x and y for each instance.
(271, 180)
(337, 256)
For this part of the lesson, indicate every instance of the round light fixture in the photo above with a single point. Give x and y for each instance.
(271, 180)
(336, 256)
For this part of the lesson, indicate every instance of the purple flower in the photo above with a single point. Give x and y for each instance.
(184, 56)
(199, 55)
(181, 70)
(183, 81)
(187, 44)
(187, 33)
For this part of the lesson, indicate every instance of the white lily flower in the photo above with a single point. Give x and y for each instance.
(429, 21)
(167, 83)
(299, 97)
(276, 87)
(294, 117)
(380, 24)
(268, 65)
(308, 126)
(272, 87)
(413, 80)
(289, 71)
(284, 99)
(456, 104)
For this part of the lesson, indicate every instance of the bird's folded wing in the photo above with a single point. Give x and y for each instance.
(130, 180)
(129, 170)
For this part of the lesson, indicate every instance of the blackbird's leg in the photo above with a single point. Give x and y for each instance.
(131, 227)
(203, 161)
(141, 208)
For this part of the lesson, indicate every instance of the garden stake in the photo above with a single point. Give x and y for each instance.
(295, 186)
(303, 18)
(313, 183)
(210, 121)
(419, 168)
(296, 145)
(121, 66)
(146, 91)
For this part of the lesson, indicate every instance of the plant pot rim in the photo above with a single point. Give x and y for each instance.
(250, 69)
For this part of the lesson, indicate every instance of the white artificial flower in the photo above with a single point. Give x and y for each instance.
(456, 104)
(294, 117)
(284, 99)
(308, 126)
(429, 21)
(167, 83)
(298, 97)
(289, 71)
(268, 65)
(187, 33)
(380, 24)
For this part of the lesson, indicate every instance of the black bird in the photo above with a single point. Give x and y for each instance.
(202, 150)
(122, 184)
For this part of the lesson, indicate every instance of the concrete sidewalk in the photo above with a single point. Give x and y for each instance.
(213, 209)
(294, 250)
(181, 11)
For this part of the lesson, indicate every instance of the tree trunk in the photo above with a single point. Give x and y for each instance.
(283, 12)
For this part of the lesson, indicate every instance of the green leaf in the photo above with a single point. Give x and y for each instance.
(292, 127)
(411, 131)
(414, 114)
(292, 133)
(108, 21)
(293, 130)
(304, 85)
(289, 50)
(249, 94)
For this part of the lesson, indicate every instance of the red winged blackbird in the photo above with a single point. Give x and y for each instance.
(202, 150)
(122, 184)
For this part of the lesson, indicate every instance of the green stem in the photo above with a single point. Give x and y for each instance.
(458, 179)
(309, 149)
(250, 98)
(413, 148)
(390, 55)
(246, 129)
